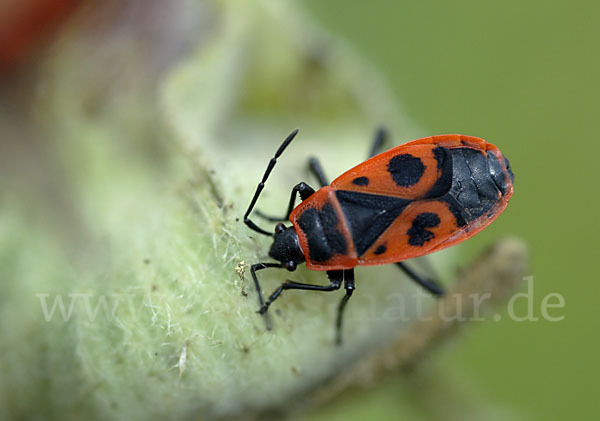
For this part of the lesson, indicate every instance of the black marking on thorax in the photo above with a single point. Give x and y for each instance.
(369, 215)
(322, 233)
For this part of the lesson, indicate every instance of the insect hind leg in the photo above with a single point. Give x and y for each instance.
(433, 287)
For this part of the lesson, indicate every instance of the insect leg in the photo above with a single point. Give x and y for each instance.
(349, 287)
(261, 301)
(305, 191)
(335, 281)
(261, 185)
(378, 141)
(428, 284)
(315, 167)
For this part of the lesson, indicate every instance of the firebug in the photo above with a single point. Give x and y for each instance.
(412, 200)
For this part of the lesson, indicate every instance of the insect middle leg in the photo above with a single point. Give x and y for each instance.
(316, 169)
(379, 139)
(349, 287)
(261, 301)
(335, 282)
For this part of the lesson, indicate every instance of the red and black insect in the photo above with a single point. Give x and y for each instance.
(414, 199)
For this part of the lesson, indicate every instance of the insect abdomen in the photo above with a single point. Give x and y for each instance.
(476, 184)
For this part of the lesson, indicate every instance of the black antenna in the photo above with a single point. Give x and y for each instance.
(261, 185)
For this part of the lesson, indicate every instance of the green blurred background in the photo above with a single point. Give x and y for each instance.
(523, 75)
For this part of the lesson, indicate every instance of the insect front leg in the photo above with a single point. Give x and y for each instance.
(305, 191)
(261, 301)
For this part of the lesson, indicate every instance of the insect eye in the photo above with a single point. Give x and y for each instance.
(279, 228)
(291, 266)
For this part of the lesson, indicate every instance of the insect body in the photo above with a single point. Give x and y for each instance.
(414, 199)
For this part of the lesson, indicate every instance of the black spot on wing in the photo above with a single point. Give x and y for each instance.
(361, 181)
(369, 215)
(418, 234)
(406, 170)
(382, 248)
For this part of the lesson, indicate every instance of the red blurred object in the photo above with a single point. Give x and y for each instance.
(27, 25)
